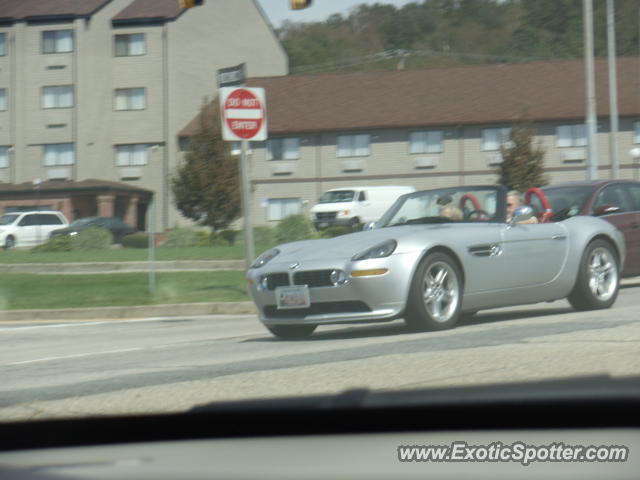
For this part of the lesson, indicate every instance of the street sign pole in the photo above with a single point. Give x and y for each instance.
(249, 248)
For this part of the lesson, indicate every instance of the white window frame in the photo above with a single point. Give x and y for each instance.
(575, 136)
(3, 99)
(286, 148)
(502, 138)
(58, 96)
(59, 39)
(132, 154)
(426, 141)
(124, 99)
(3, 44)
(636, 131)
(58, 154)
(135, 44)
(353, 145)
(4, 156)
(280, 208)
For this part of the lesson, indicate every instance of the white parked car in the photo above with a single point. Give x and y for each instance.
(27, 229)
(350, 206)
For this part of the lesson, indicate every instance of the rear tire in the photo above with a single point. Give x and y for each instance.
(9, 242)
(598, 279)
(291, 332)
(435, 295)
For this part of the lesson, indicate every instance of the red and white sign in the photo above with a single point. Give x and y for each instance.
(244, 113)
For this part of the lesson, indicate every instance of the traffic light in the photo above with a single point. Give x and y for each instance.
(299, 4)
(190, 3)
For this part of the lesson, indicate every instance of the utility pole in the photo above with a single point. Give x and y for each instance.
(613, 90)
(589, 70)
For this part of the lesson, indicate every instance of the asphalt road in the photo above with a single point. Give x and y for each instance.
(171, 364)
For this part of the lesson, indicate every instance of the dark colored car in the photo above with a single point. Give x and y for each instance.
(616, 201)
(116, 226)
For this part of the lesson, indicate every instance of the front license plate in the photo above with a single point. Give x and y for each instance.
(293, 297)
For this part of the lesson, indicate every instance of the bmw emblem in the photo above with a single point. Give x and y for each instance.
(294, 265)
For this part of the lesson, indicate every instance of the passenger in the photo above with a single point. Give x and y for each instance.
(451, 212)
(513, 202)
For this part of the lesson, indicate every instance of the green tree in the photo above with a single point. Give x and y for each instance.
(522, 164)
(206, 185)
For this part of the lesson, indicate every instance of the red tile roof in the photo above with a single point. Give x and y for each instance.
(485, 94)
(150, 10)
(23, 9)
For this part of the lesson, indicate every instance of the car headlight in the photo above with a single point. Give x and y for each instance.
(265, 258)
(381, 250)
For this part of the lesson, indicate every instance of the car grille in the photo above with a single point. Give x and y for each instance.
(313, 278)
(351, 306)
(275, 280)
(324, 216)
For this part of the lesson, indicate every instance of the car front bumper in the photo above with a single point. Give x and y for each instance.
(362, 299)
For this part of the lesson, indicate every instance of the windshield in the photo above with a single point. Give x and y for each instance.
(445, 205)
(337, 196)
(83, 221)
(302, 201)
(7, 219)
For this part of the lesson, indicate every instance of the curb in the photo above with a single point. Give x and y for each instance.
(142, 311)
(122, 267)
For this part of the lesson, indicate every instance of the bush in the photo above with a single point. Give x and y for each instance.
(92, 239)
(55, 244)
(137, 240)
(180, 237)
(262, 236)
(294, 227)
(228, 236)
(203, 239)
(335, 231)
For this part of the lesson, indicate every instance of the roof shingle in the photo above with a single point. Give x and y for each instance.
(149, 10)
(24, 9)
(465, 95)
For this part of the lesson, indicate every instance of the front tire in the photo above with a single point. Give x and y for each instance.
(598, 279)
(9, 242)
(435, 295)
(291, 332)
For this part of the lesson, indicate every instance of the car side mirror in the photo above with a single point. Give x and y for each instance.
(369, 226)
(521, 214)
(606, 210)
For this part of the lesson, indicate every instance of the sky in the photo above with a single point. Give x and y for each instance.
(278, 10)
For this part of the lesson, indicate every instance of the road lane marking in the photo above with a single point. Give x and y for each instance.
(77, 355)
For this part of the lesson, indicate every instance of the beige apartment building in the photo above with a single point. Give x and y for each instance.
(94, 93)
(430, 128)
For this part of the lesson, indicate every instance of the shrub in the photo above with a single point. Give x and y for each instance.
(203, 239)
(55, 244)
(335, 231)
(294, 227)
(262, 236)
(228, 236)
(137, 240)
(180, 237)
(92, 239)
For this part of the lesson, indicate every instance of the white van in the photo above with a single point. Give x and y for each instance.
(353, 205)
(26, 229)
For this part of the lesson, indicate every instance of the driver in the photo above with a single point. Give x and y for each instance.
(514, 201)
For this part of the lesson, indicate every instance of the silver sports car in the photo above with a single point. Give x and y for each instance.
(436, 255)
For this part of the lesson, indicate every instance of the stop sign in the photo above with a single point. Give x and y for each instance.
(243, 113)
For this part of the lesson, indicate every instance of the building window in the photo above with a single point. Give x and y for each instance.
(57, 41)
(494, 138)
(4, 157)
(58, 154)
(636, 136)
(130, 99)
(57, 97)
(571, 135)
(134, 154)
(425, 142)
(3, 44)
(3, 99)
(283, 149)
(130, 45)
(353, 145)
(279, 208)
